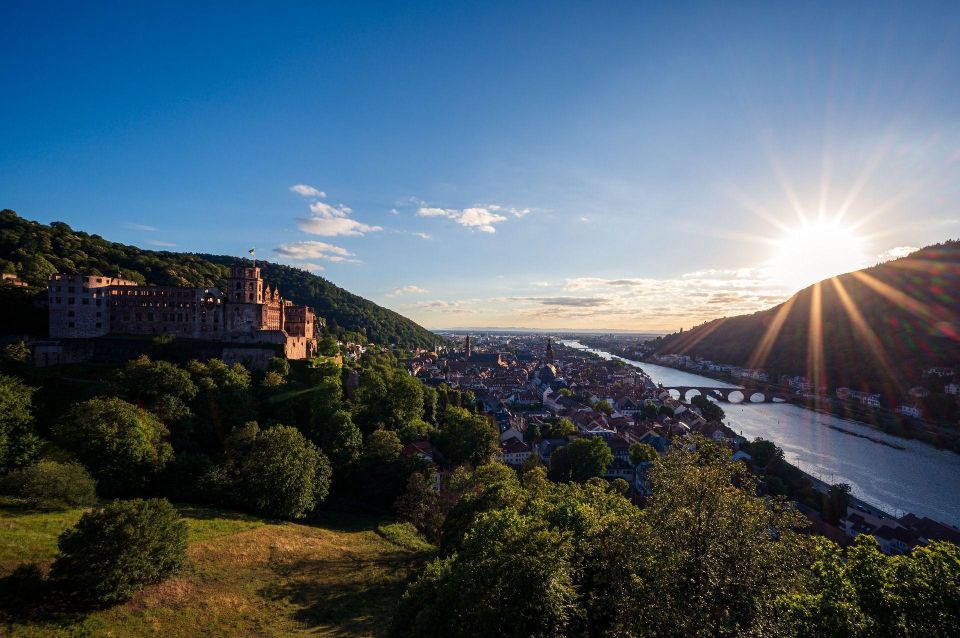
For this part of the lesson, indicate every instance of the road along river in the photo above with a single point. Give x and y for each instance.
(903, 476)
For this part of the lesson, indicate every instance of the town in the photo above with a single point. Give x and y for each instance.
(543, 396)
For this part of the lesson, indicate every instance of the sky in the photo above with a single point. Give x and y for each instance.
(618, 165)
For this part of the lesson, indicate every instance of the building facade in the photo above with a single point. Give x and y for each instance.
(87, 306)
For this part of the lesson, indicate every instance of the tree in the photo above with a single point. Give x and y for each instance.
(122, 445)
(603, 406)
(283, 474)
(468, 438)
(383, 445)
(835, 503)
(159, 386)
(17, 440)
(53, 485)
(581, 460)
(726, 554)
(710, 410)
(512, 577)
(115, 550)
(340, 439)
(420, 504)
(642, 453)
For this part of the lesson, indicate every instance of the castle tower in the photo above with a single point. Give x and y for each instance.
(245, 285)
(549, 351)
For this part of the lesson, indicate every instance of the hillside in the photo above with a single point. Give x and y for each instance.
(880, 327)
(246, 576)
(33, 251)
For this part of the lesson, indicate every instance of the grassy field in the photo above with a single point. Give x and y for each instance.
(337, 576)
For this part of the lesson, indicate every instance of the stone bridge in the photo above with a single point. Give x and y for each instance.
(730, 395)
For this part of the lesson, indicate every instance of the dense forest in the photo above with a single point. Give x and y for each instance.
(33, 251)
(879, 328)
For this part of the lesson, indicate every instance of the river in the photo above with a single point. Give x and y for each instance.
(919, 479)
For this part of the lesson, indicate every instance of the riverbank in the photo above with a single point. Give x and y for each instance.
(911, 479)
(880, 419)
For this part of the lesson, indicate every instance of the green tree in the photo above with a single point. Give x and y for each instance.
(726, 555)
(710, 410)
(160, 386)
(835, 503)
(382, 445)
(641, 453)
(17, 439)
(420, 504)
(122, 445)
(603, 406)
(115, 550)
(468, 438)
(511, 578)
(581, 460)
(340, 439)
(283, 474)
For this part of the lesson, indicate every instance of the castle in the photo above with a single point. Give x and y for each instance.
(88, 306)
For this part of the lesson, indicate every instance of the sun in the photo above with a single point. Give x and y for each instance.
(817, 250)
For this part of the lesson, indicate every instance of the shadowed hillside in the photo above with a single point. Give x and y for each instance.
(877, 328)
(33, 251)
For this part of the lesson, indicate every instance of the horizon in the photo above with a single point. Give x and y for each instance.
(617, 167)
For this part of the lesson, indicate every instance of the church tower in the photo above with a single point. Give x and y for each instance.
(467, 348)
(549, 351)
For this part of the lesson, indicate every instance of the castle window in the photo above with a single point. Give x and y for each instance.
(85, 302)
(239, 286)
(71, 325)
(71, 289)
(98, 315)
(99, 302)
(99, 325)
(70, 313)
(71, 300)
(251, 296)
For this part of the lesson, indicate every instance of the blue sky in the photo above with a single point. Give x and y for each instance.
(555, 164)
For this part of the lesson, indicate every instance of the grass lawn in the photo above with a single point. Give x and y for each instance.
(340, 575)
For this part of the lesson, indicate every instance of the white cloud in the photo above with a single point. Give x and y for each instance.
(480, 218)
(133, 226)
(339, 226)
(584, 220)
(424, 235)
(307, 191)
(322, 209)
(435, 212)
(311, 267)
(157, 242)
(333, 221)
(896, 253)
(315, 250)
(407, 290)
(394, 211)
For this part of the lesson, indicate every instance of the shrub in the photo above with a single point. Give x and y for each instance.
(123, 445)
(50, 484)
(113, 551)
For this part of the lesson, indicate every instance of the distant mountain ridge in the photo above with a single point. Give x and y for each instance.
(879, 327)
(33, 251)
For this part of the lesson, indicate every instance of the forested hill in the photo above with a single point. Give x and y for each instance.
(33, 251)
(881, 327)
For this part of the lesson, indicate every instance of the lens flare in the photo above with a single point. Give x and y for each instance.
(817, 250)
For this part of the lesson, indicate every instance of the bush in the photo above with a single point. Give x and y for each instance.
(113, 551)
(49, 484)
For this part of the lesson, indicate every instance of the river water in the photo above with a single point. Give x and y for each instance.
(919, 479)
